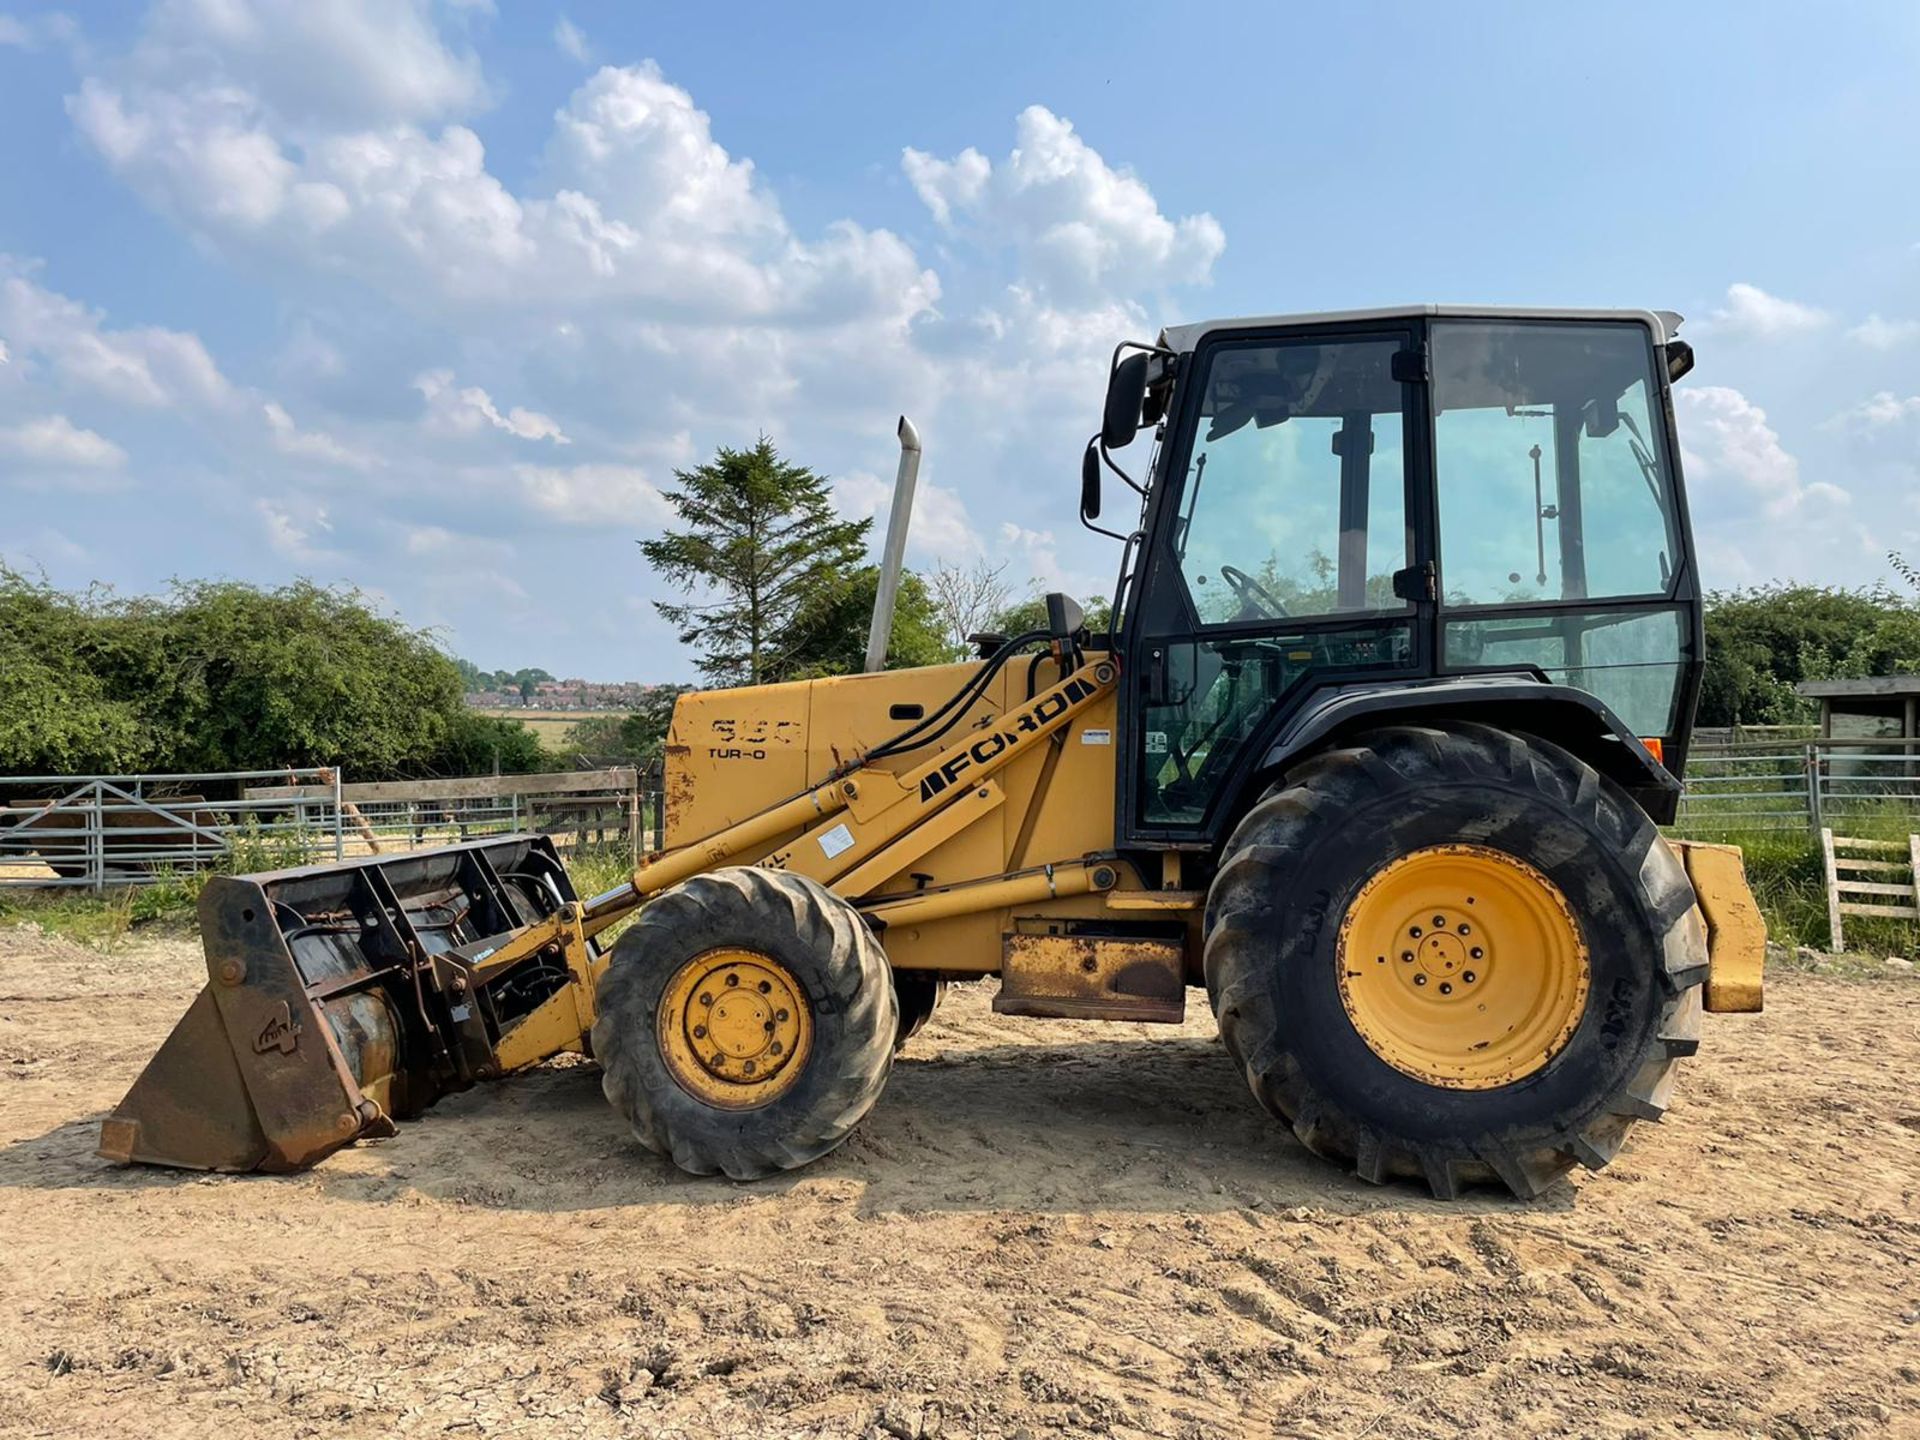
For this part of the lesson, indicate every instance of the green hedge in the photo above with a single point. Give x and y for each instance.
(222, 676)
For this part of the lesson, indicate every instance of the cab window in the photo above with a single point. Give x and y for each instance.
(1552, 480)
(1295, 499)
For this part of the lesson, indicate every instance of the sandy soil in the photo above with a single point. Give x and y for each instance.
(1043, 1229)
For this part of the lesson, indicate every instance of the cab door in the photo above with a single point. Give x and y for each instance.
(1286, 552)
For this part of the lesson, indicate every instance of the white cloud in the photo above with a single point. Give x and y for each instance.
(57, 441)
(1037, 553)
(1727, 441)
(571, 43)
(1878, 334)
(36, 31)
(946, 185)
(643, 281)
(457, 557)
(645, 205)
(424, 540)
(1752, 313)
(49, 544)
(146, 366)
(355, 61)
(1877, 411)
(290, 440)
(465, 411)
(593, 495)
(638, 143)
(296, 529)
(203, 154)
(1083, 228)
(939, 528)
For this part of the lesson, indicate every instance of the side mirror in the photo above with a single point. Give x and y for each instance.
(1679, 359)
(1065, 618)
(1090, 483)
(1126, 393)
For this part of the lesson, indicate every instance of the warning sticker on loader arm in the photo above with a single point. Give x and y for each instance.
(836, 841)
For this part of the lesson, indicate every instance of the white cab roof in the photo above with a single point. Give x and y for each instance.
(1182, 338)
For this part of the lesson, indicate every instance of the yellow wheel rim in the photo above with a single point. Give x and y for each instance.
(1463, 967)
(735, 1028)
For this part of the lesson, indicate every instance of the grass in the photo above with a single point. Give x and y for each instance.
(168, 901)
(1788, 877)
(1783, 867)
(167, 904)
(104, 921)
(550, 725)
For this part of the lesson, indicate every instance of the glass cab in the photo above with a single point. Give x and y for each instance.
(1389, 501)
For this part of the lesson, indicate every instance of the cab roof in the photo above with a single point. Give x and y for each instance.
(1183, 338)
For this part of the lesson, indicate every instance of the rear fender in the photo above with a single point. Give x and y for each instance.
(1572, 719)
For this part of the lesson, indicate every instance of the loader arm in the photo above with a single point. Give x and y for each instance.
(341, 997)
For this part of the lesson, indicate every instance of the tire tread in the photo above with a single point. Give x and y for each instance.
(1276, 835)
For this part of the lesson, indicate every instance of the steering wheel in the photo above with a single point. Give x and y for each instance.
(1252, 595)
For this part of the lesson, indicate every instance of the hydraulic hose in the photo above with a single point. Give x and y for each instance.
(962, 700)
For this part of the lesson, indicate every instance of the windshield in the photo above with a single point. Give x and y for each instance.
(1295, 501)
(1551, 472)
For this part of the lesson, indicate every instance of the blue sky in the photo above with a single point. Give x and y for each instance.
(432, 298)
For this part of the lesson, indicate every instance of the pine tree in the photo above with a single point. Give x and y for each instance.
(760, 546)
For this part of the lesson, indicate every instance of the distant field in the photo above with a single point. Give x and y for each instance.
(550, 725)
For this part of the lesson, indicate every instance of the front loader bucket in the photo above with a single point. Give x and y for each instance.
(338, 998)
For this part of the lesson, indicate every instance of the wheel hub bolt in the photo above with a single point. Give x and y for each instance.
(1445, 988)
(1467, 975)
(1419, 979)
(706, 999)
(766, 987)
(1477, 953)
(1414, 931)
(1465, 929)
(1439, 922)
(733, 979)
(780, 1015)
(699, 1032)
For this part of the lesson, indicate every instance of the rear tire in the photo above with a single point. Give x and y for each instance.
(806, 945)
(1274, 957)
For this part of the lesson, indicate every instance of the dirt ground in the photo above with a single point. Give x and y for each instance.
(1043, 1229)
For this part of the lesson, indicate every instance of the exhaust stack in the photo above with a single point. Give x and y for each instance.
(893, 558)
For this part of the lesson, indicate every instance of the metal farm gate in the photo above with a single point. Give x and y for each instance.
(93, 831)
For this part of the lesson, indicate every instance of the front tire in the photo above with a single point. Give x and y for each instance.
(746, 1023)
(1349, 896)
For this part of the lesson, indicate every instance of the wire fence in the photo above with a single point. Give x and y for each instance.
(96, 831)
(1801, 786)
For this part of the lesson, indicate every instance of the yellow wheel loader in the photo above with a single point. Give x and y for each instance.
(1398, 685)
